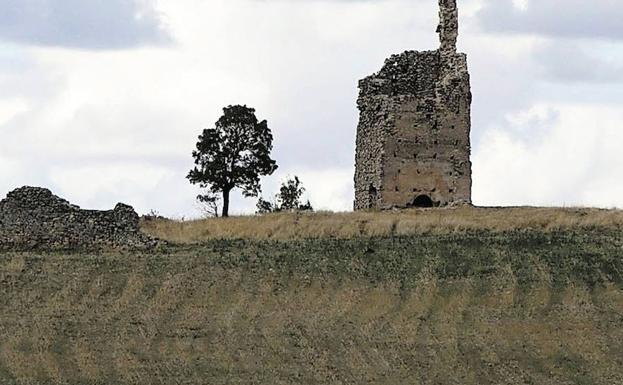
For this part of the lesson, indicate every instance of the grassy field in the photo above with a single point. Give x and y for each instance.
(288, 226)
(482, 297)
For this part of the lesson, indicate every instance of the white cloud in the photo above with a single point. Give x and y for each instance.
(573, 161)
(9, 108)
(327, 189)
(521, 4)
(108, 182)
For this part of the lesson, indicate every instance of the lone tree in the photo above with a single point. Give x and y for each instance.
(234, 154)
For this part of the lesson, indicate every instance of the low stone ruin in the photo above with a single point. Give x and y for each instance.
(33, 218)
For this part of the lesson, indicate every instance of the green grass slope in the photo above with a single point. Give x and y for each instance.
(476, 307)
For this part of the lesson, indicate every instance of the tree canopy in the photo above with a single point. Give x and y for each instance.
(234, 154)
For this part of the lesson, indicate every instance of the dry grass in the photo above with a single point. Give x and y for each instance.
(408, 222)
(317, 312)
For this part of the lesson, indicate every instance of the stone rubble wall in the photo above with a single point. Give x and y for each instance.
(448, 26)
(32, 218)
(413, 138)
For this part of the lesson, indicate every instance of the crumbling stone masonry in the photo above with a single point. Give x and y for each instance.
(33, 218)
(413, 138)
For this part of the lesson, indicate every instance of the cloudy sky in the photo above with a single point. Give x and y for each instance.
(102, 100)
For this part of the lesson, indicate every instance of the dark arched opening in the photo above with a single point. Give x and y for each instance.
(423, 201)
(372, 197)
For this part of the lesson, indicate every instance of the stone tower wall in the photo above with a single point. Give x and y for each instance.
(413, 138)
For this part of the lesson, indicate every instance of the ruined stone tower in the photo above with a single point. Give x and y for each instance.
(413, 138)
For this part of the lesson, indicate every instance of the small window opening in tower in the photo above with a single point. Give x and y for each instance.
(423, 201)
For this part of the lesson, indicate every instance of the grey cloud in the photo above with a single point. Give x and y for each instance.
(568, 62)
(568, 18)
(85, 24)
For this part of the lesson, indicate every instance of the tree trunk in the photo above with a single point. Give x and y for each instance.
(225, 211)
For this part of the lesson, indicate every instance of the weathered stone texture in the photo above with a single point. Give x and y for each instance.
(448, 26)
(32, 218)
(413, 139)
